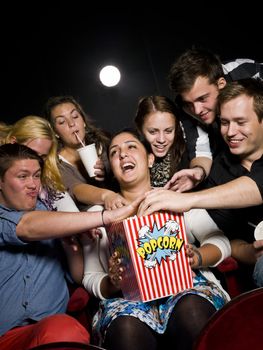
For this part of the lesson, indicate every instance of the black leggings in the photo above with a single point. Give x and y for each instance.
(186, 321)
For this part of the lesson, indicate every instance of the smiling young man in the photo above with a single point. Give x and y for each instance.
(33, 285)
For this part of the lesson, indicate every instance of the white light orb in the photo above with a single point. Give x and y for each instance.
(110, 76)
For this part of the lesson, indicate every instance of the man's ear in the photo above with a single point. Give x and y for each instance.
(13, 139)
(151, 158)
(221, 82)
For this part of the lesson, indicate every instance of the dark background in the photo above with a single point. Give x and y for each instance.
(60, 49)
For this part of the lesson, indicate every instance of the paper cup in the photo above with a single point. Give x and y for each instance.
(258, 233)
(89, 157)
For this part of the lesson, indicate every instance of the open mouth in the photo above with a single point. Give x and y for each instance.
(127, 167)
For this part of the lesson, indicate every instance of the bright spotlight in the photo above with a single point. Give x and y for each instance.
(110, 76)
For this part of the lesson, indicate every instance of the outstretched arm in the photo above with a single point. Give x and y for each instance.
(239, 193)
(186, 179)
(37, 225)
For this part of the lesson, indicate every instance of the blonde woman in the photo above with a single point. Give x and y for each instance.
(36, 133)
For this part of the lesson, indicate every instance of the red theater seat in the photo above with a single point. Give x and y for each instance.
(78, 305)
(238, 325)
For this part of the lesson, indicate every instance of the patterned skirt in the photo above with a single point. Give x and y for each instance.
(154, 313)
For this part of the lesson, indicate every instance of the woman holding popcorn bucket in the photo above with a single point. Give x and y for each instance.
(176, 319)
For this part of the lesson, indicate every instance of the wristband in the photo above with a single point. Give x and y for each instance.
(199, 257)
(204, 172)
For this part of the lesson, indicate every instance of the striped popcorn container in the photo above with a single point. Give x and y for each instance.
(152, 249)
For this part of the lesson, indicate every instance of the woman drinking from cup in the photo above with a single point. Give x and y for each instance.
(74, 130)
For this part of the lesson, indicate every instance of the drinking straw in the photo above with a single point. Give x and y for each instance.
(77, 136)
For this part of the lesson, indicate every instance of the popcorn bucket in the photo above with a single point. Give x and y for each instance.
(152, 249)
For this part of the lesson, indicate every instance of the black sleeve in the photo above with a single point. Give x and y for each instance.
(256, 174)
(242, 68)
